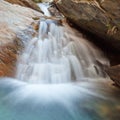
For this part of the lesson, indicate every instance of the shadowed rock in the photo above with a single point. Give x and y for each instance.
(100, 17)
(114, 73)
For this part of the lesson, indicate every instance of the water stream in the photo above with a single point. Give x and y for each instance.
(60, 76)
(60, 54)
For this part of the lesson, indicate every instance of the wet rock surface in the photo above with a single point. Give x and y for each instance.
(17, 27)
(25, 3)
(114, 73)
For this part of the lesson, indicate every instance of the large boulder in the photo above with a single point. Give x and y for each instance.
(101, 17)
(16, 28)
(25, 3)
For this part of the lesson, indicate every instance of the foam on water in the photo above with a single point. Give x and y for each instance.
(20, 100)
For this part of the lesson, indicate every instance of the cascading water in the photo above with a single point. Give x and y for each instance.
(59, 55)
(44, 7)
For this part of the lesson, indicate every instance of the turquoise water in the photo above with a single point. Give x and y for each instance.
(84, 101)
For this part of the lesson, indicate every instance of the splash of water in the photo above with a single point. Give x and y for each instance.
(20, 100)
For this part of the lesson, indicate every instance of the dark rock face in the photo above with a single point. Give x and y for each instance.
(114, 73)
(101, 17)
(17, 26)
(25, 3)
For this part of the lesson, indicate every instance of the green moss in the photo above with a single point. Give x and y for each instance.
(35, 18)
(37, 1)
(109, 26)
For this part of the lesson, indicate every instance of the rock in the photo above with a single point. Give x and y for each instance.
(16, 28)
(114, 73)
(101, 17)
(25, 3)
(37, 1)
(42, 1)
(54, 11)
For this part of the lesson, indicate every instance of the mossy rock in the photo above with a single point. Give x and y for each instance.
(37, 1)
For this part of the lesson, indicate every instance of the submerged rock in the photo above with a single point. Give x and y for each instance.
(101, 17)
(16, 27)
(25, 3)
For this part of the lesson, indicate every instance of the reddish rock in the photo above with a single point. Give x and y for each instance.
(25, 3)
(16, 27)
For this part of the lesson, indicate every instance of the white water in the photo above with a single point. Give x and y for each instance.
(23, 101)
(44, 7)
(58, 55)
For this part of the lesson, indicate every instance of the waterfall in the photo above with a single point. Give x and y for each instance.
(59, 54)
(72, 67)
(44, 7)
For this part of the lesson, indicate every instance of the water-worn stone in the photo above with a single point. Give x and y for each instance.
(16, 27)
(25, 3)
(101, 17)
(42, 1)
(114, 73)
